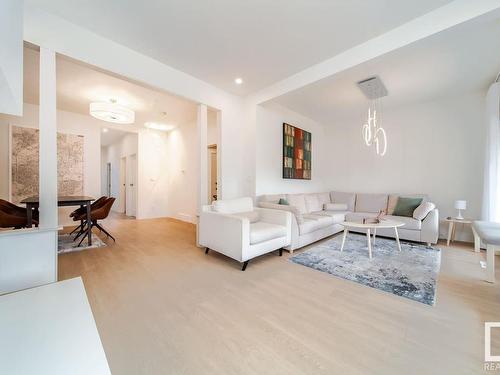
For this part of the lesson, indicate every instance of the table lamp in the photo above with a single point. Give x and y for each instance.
(460, 205)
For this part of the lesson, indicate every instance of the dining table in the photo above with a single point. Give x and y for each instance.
(32, 203)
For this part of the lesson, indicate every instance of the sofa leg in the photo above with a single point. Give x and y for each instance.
(281, 251)
(206, 250)
(429, 244)
(291, 251)
(245, 264)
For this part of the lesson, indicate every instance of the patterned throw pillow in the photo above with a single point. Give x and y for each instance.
(406, 206)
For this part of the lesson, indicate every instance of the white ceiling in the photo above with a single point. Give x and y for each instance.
(262, 41)
(461, 59)
(78, 85)
(111, 136)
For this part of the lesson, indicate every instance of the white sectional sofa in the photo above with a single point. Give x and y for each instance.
(316, 216)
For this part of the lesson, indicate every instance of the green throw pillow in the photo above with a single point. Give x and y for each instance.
(283, 201)
(406, 206)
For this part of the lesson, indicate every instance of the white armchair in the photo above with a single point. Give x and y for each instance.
(240, 231)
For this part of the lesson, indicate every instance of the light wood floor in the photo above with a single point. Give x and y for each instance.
(164, 307)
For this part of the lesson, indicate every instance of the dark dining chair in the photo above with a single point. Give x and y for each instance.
(12, 218)
(83, 211)
(99, 213)
(21, 211)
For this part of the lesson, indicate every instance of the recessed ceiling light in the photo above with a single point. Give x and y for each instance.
(238, 81)
(158, 126)
(112, 112)
(104, 130)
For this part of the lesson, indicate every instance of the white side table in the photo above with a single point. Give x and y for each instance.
(452, 227)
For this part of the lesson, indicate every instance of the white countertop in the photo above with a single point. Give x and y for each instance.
(50, 330)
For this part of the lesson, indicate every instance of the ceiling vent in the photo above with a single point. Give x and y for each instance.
(373, 88)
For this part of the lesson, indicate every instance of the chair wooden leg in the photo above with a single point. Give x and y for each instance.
(245, 264)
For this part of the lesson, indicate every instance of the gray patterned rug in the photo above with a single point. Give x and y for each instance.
(411, 273)
(65, 243)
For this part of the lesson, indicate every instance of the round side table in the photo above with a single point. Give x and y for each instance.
(451, 227)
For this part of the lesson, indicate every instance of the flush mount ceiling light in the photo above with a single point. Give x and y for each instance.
(104, 130)
(238, 81)
(112, 112)
(158, 126)
(373, 133)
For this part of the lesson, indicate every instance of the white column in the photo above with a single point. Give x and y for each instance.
(48, 139)
(202, 124)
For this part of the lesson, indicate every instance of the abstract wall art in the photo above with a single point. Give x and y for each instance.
(296, 153)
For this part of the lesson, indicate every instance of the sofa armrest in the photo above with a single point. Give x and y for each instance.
(430, 227)
(283, 207)
(224, 233)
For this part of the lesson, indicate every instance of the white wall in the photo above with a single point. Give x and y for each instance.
(269, 152)
(11, 57)
(182, 170)
(67, 122)
(434, 147)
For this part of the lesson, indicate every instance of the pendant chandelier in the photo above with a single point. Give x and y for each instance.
(373, 134)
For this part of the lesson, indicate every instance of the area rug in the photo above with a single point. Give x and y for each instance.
(65, 243)
(411, 273)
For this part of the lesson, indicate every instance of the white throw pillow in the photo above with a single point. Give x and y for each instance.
(335, 206)
(423, 210)
(252, 216)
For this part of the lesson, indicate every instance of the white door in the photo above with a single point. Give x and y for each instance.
(131, 185)
(123, 186)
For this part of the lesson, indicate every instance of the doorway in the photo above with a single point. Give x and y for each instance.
(123, 184)
(212, 173)
(131, 193)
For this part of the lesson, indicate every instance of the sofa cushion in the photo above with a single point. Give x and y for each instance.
(252, 216)
(284, 207)
(391, 203)
(335, 206)
(297, 200)
(312, 202)
(357, 217)
(324, 220)
(309, 225)
(274, 198)
(409, 222)
(338, 216)
(231, 206)
(347, 198)
(406, 206)
(260, 232)
(324, 198)
(371, 202)
(423, 210)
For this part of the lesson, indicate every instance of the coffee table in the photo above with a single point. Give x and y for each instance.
(369, 228)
